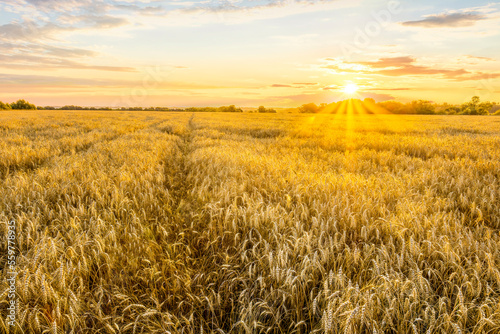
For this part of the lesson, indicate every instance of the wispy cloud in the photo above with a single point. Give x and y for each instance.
(93, 21)
(300, 85)
(404, 66)
(40, 62)
(452, 20)
(28, 31)
(281, 86)
(239, 11)
(389, 62)
(386, 89)
(480, 58)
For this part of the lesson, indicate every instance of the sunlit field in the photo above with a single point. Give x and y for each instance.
(144, 222)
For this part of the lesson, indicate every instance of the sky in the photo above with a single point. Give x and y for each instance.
(247, 52)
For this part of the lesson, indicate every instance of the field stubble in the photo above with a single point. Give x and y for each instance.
(193, 223)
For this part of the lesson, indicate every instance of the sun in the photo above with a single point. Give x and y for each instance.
(350, 89)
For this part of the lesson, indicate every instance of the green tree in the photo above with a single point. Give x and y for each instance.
(4, 106)
(263, 109)
(230, 108)
(423, 107)
(22, 104)
(475, 107)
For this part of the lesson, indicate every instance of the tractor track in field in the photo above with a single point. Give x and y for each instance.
(177, 170)
(200, 250)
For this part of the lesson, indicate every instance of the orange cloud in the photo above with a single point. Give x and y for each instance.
(405, 66)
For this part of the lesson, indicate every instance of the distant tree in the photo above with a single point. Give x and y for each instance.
(231, 108)
(494, 108)
(369, 101)
(452, 110)
(4, 106)
(423, 107)
(71, 107)
(309, 108)
(22, 104)
(263, 109)
(475, 107)
(394, 107)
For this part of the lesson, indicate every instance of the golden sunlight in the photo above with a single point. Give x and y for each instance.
(350, 89)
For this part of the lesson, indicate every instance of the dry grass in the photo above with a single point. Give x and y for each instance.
(223, 223)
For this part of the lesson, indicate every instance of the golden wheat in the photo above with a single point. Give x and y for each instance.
(151, 222)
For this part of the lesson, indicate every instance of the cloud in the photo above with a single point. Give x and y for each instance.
(30, 31)
(339, 68)
(46, 80)
(454, 20)
(99, 21)
(389, 62)
(239, 11)
(65, 52)
(404, 66)
(422, 70)
(480, 58)
(386, 89)
(18, 82)
(148, 10)
(296, 85)
(29, 44)
(37, 62)
(64, 6)
(483, 76)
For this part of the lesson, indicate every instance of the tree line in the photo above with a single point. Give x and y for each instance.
(231, 108)
(420, 107)
(20, 104)
(368, 105)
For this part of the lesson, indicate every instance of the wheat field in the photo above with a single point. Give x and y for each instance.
(154, 222)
